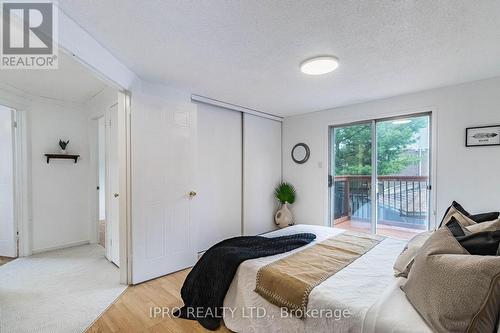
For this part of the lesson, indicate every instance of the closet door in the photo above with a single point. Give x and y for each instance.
(262, 172)
(217, 205)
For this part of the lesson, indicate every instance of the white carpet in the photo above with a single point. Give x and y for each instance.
(59, 291)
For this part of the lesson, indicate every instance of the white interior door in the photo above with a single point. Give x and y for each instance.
(217, 206)
(101, 169)
(8, 246)
(261, 172)
(163, 163)
(112, 188)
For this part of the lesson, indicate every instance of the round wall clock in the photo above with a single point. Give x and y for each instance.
(300, 153)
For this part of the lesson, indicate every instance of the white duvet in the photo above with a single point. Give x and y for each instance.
(363, 297)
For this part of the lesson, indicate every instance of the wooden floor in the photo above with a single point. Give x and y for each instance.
(131, 312)
(102, 233)
(4, 260)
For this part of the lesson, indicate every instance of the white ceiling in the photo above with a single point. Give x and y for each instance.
(248, 52)
(70, 83)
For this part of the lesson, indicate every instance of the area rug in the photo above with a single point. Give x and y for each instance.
(58, 291)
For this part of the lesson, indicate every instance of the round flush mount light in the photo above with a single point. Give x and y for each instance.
(319, 65)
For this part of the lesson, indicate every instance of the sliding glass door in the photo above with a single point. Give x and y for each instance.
(351, 176)
(379, 176)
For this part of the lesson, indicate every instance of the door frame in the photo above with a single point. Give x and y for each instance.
(432, 111)
(123, 126)
(21, 175)
(16, 177)
(124, 161)
(22, 182)
(94, 182)
(23, 199)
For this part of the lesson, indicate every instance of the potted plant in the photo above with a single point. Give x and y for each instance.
(285, 193)
(63, 144)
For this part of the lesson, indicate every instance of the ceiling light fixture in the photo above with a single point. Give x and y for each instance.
(319, 65)
(401, 121)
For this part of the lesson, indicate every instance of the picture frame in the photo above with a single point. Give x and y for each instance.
(482, 136)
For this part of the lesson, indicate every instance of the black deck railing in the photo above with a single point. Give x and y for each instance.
(401, 199)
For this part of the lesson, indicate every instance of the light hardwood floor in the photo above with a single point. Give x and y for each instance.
(102, 233)
(4, 260)
(131, 312)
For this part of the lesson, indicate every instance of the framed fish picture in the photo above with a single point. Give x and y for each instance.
(482, 136)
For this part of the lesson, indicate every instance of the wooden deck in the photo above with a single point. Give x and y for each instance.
(384, 230)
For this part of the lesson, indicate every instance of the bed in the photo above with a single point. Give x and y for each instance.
(366, 288)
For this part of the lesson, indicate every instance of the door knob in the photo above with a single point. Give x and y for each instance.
(116, 195)
(192, 194)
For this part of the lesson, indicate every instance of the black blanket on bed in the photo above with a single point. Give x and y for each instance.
(206, 285)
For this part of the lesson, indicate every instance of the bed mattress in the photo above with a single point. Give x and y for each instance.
(359, 298)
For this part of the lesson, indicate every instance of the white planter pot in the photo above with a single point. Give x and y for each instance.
(283, 217)
(63, 151)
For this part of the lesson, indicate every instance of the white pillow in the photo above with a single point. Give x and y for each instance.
(405, 259)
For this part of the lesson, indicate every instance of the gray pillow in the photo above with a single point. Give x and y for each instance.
(452, 290)
(485, 226)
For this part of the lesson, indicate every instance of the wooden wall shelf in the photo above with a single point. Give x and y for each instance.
(62, 156)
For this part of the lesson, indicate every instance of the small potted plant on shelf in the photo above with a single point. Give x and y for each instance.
(285, 193)
(63, 144)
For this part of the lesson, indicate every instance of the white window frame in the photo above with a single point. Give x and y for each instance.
(432, 113)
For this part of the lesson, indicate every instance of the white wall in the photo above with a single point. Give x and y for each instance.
(60, 211)
(468, 175)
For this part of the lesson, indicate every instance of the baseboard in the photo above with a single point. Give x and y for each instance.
(60, 247)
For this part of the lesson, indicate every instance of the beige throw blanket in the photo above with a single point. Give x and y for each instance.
(288, 282)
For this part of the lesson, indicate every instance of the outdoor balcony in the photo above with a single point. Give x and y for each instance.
(402, 204)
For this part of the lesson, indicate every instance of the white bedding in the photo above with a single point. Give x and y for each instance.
(358, 288)
(393, 313)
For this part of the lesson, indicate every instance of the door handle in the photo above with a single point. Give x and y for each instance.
(192, 194)
(116, 195)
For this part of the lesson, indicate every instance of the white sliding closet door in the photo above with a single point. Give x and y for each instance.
(217, 205)
(262, 171)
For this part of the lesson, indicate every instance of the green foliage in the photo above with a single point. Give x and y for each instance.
(285, 192)
(353, 147)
